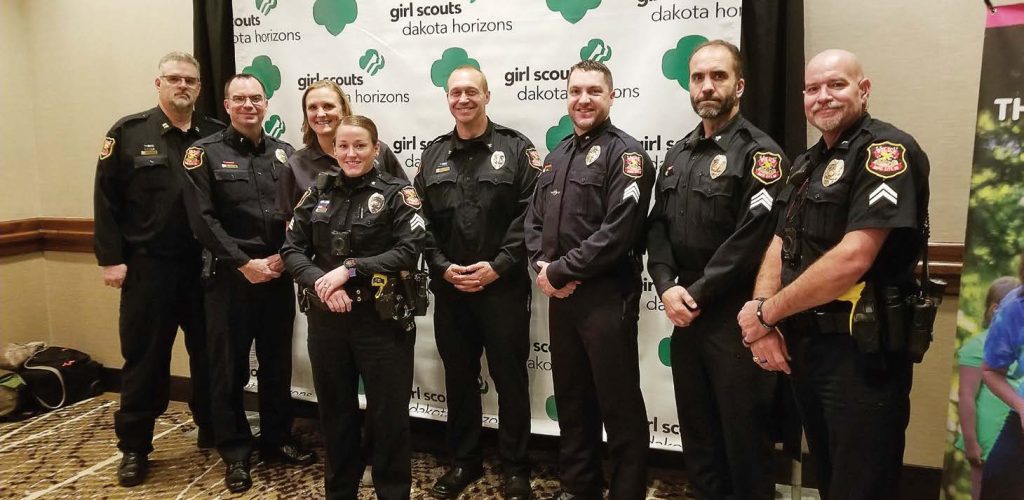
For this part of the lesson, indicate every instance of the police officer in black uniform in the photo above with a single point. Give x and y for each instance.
(231, 207)
(353, 243)
(145, 247)
(849, 237)
(585, 238)
(711, 222)
(476, 181)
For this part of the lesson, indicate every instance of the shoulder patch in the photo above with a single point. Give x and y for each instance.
(534, 158)
(886, 159)
(633, 165)
(107, 149)
(193, 158)
(767, 167)
(411, 198)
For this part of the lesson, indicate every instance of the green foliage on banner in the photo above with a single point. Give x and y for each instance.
(266, 72)
(675, 64)
(334, 15)
(371, 61)
(596, 50)
(572, 10)
(665, 351)
(274, 127)
(558, 132)
(451, 58)
(551, 408)
(265, 6)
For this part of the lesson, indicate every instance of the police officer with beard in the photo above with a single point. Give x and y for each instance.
(585, 239)
(145, 247)
(476, 182)
(836, 280)
(712, 220)
(231, 204)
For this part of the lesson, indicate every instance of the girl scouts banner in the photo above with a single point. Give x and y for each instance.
(994, 240)
(393, 59)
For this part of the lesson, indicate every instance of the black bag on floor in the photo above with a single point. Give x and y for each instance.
(58, 376)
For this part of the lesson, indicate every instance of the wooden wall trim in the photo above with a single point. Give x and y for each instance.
(75, 235)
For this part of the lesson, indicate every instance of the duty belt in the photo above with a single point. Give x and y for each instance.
(831, 318)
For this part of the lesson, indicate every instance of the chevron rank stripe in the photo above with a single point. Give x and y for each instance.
(882, 192)
(762, 199)
(417, 222)
(631, 191)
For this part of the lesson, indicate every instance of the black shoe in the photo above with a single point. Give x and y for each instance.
(205, 441)
(133, 468)
(290, 453)
(237, 477)
(517, 487)
(451, 484)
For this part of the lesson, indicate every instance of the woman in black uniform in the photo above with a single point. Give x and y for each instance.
(350, 238)
(323, 105)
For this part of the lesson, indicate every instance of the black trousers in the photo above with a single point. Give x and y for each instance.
(855, 413)
(159, 295)
(467, 325)
(343, 347)
(238, 313)
(1002, 478)
(596, 373)
(724, 402)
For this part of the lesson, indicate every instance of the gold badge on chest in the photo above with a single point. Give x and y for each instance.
(718, 164)
(833, 171)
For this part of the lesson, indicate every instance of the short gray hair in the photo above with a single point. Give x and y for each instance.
(184, 57)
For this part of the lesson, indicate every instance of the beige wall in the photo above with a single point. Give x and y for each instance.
(94, 61)
(923, 57)
(19, 184)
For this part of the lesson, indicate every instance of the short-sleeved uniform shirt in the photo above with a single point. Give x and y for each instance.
(138, 193)
(382, 215)
(232, 196)
(308, 162)
(475, 194)
(713, 212)
(589, 210)
(874, 176)
(1005, 343)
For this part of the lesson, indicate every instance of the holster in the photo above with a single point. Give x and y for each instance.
(209, 265)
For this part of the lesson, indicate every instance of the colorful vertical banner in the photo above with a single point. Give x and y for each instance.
(992, 247)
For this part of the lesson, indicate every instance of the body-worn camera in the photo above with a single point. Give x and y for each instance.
(341, 243)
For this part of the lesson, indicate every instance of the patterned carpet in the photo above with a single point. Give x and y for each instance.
(71, 453)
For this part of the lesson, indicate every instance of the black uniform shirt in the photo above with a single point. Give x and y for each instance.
(138, 192)
(712, 218)
(587, 214)
(231, 200)
(875, 176)
(383, 216)
(475, 195)
(308, 162)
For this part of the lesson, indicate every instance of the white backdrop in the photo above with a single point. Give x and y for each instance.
(392, 59)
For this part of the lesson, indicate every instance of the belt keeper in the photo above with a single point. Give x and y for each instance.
(760, 314)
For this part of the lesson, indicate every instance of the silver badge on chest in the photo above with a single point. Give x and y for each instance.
(375, 203)
(833, 172)
(498, 159)
(592, 155)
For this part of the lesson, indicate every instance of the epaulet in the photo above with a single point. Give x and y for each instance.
(214, 120)
(133, 118)
(438, 139)
(387, 178)
(212, 138)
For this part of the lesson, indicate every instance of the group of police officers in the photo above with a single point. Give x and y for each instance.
(762, 267)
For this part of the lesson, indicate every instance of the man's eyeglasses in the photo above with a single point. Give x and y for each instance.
(178, 80)
(256, 100)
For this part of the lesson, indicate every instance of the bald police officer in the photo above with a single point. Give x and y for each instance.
(145, 248)
(850, 235)
(711, 223)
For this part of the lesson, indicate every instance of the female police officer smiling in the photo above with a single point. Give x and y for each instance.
(351, 238)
